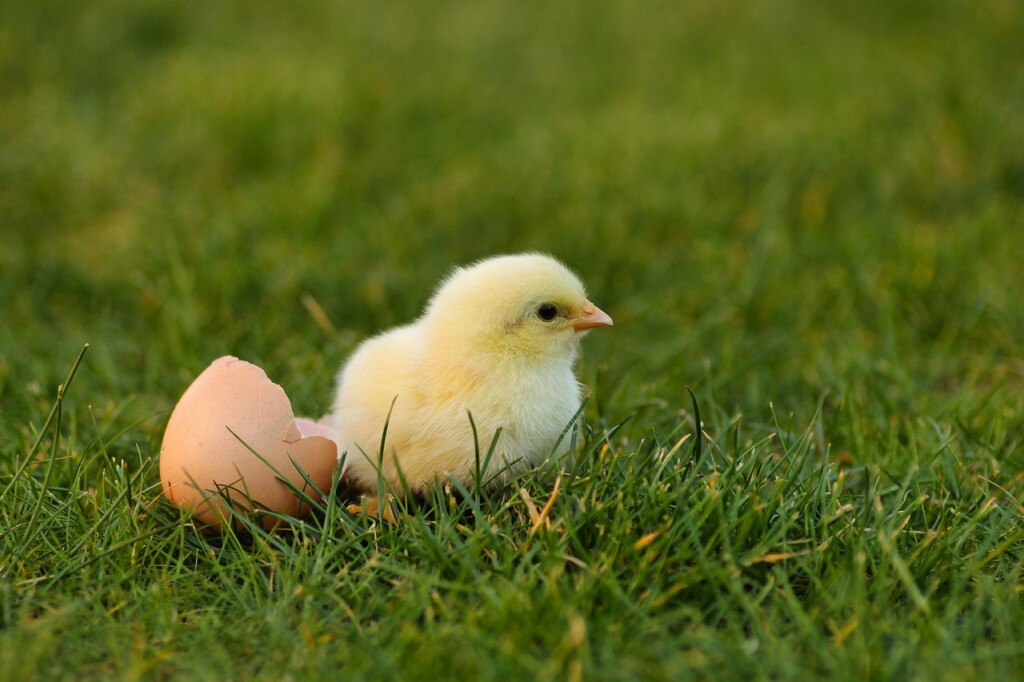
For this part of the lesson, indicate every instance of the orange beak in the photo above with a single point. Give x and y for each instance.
(592, 317)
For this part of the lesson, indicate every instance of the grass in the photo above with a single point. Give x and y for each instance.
(810, 214)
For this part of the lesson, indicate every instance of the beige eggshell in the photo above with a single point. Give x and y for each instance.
(200, 455)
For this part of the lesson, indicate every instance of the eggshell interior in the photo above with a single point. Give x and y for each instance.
(206, 457)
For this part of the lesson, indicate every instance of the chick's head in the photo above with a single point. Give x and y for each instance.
(529, 306)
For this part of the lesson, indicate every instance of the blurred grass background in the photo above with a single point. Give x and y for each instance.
(769, 197)
(811, 205)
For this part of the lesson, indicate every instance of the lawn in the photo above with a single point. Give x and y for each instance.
(809, 214)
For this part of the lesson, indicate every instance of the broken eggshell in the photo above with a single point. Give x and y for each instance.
(207, 458)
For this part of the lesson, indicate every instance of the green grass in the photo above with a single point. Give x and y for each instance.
(812, 214)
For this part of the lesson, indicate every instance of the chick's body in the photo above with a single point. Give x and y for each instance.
(497, 341)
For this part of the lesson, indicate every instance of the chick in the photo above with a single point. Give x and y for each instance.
(498, 341)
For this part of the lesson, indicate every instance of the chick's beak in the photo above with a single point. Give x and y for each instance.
(592, 317)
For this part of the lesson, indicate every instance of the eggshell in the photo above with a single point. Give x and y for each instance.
(202, 461)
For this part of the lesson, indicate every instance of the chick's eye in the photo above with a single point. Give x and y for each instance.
(547, 312)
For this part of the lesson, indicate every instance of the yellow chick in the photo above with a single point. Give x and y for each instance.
(498, 340)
